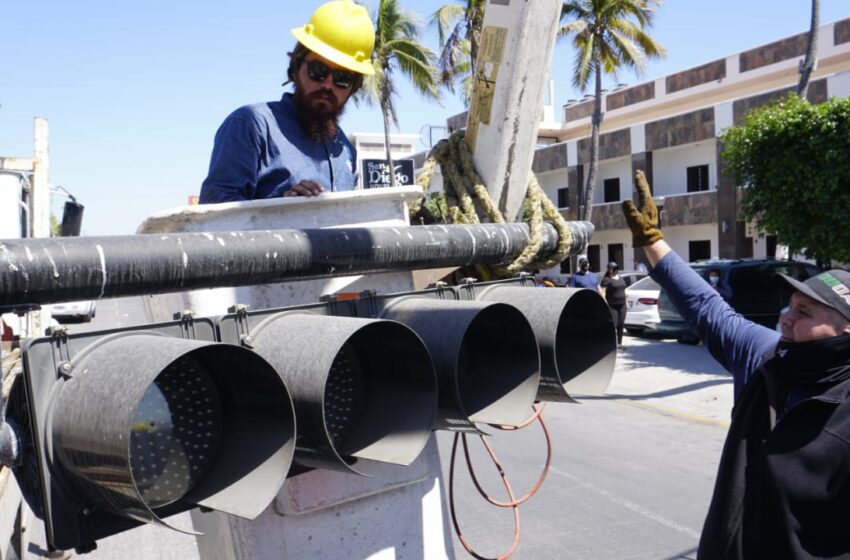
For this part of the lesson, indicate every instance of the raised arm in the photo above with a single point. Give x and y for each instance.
(736, 343)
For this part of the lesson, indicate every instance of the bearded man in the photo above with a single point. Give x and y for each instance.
(295, 147)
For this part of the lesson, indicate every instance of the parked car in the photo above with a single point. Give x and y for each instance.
(642, 306)
(629, 276)
(82, 311)
(746, 284)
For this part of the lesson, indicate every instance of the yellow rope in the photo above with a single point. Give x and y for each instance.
(464, 189)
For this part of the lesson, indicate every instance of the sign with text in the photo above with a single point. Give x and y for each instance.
(376, 173)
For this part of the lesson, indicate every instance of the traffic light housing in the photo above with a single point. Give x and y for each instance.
(574, 330)
(485, 355)
(130, 426)
(364, 389)
(117, 425)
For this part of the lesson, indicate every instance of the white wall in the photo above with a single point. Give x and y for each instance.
(610, 237)
(669, 167)
(609, 169)
(10, 208)
(551, 181)
(679, 236)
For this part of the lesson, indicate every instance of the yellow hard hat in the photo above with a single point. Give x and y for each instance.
(342, 32)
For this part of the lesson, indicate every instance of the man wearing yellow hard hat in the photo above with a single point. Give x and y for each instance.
(295, 147)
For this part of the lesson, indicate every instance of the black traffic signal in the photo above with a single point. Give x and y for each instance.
(574, 330)
(485, 355)
(364, 389)
(131, 426)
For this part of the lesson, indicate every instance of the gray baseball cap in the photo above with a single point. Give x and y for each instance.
(831, 288)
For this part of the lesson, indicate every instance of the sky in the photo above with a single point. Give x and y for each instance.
(134, 91)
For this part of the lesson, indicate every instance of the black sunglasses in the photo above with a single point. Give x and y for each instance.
(317, 72)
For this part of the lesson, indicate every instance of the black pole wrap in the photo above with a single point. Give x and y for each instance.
(53, 270)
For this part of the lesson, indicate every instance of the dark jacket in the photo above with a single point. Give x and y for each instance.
(783, 489)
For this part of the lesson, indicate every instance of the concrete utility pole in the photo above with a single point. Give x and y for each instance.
(517, 40)
(40, 207)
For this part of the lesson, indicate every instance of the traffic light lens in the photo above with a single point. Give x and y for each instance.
(344, 395)
(176, 432)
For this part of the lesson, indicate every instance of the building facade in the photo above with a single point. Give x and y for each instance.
(671, 127)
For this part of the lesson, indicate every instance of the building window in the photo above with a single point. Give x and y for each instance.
(612, 189)
(564, 197)
(565, 266)
(699, 250)
(580, 187)
(615, 254)
(770, 241)
(698, 178)
(593, 257)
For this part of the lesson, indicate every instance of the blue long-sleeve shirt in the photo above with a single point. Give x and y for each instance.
(261, 151)
(739, 345)
(588, 280)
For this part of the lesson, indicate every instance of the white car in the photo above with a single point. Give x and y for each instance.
(642, 306)
(73, 311)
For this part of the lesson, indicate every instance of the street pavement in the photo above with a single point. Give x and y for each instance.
(632, 471)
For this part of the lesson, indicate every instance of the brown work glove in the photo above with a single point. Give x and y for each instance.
(643, 222)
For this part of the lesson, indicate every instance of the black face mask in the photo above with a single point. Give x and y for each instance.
(826, 360)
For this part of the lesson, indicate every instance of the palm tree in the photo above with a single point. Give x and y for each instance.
(397, 48)
(808, 64)
(607, 35)
(459, 33)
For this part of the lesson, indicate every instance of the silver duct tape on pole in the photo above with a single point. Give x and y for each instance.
(53, 270)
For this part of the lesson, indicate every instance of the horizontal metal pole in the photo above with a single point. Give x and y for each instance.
(58, 269)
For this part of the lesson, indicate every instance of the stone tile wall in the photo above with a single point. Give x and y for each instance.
(611, 145)
(791, 47)
(578, 111)
(695, 208)
(575, 181)
(710, 72)
(608, 216)
(643, 161)
(841, 32)
(457, 122)
(681, 129)
(817, 94)
(550, 158)
(630, 96)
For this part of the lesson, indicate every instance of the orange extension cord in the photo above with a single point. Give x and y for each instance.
(513, 503)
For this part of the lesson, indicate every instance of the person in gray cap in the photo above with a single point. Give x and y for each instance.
(783, 484)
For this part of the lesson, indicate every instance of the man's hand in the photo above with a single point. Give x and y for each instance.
(304, 188)
(643, 222)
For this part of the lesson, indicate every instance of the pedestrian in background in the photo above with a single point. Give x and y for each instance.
(613, 289)
(783, 483)
(584, 278)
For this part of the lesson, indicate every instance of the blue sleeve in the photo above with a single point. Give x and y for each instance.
(739, 345)
(234, 164)
(571, 283)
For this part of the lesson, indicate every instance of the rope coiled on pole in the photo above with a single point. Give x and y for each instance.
(467, 198)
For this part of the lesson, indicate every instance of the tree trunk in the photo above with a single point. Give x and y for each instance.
(596, 121)
(808, 64)
(386, 110)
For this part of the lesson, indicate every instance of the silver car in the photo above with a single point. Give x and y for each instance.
(82, 311)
